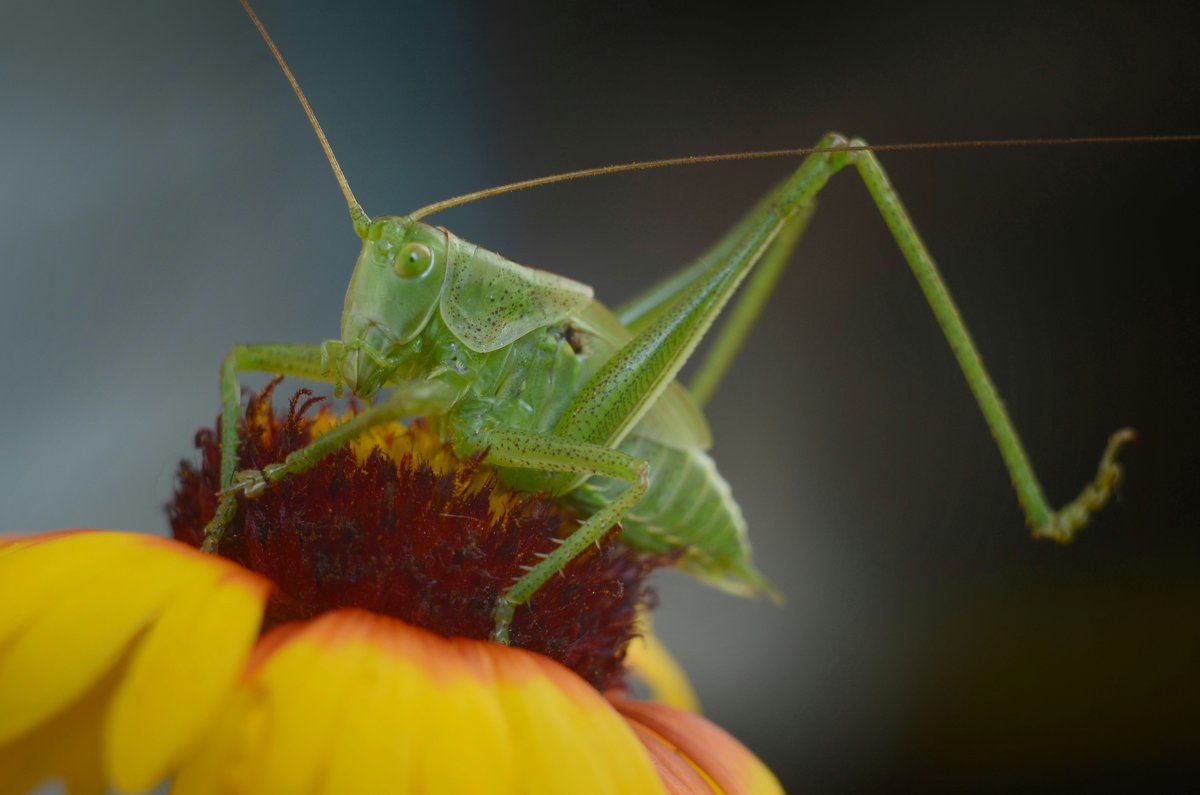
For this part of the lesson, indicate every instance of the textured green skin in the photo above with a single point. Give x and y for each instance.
(524, 364)
(531, 384)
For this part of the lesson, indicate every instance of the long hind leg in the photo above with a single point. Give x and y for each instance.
(1045, 522)
(733, 257)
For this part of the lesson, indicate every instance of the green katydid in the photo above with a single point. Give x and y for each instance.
(572, 399)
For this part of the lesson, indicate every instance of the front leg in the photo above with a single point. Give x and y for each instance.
(303, 361)
(421, 398)
(530, 450)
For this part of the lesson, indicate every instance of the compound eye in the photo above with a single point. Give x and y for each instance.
(414, 259)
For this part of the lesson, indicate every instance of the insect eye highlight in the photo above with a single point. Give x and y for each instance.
(414, 259)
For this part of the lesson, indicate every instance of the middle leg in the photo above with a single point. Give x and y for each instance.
(531, 450)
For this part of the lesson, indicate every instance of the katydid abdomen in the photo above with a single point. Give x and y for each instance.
(688, 509)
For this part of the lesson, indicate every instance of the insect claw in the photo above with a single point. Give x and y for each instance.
(250, 482)
(502, 616)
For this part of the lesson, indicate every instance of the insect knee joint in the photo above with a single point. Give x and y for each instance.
(641, 475)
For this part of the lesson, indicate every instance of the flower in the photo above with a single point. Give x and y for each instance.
(338, 642)
(117, 652)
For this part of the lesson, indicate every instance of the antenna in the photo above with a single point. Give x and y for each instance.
(360, 218)
(646, 165)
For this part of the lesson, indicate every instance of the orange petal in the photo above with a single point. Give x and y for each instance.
(678, 775)
(718, 757)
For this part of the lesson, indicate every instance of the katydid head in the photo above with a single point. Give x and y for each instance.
(408, 270)
(392, 295)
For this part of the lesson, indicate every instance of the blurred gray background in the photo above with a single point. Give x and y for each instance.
(162, 198)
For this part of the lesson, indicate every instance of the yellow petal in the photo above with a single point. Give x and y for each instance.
(374, 751)
(720, 758)
(304, 688)
(66, 747)
(354, 702)
(85, 623)
(35, 568)
(648, 660)
(180, 672)
(212, 766)
(428, 707)
(568, 736)
(75, 701)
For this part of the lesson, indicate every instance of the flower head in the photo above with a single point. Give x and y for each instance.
(396, 524)
(338, 642)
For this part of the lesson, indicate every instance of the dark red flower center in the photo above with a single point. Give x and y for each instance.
(431, 545)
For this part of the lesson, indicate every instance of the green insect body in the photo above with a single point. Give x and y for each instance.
(513, 347)
(569, 398)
